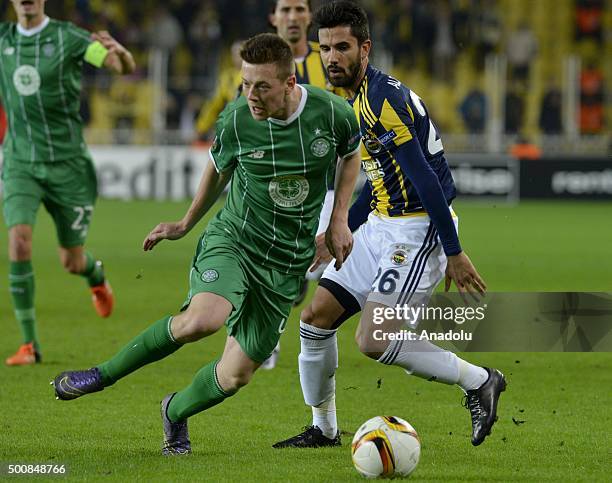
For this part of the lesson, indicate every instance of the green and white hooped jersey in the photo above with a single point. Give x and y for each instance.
(280, 175)
(40, 86)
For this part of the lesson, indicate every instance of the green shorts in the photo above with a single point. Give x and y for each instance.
(262, 297)
(68, 189)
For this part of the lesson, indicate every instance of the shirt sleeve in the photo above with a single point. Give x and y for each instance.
(396, 118)
(77, 40)
(346, 128)
(222, 152)
(413, 164)
(401, 139)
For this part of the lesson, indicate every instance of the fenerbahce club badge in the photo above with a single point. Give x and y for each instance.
(371, 143)
(400, 255)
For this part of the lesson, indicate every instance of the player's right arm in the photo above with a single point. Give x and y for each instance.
(210, 187)
(214, 179)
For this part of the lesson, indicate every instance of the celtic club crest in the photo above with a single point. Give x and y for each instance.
(26, 80)
(288, 191)
(210, 275)
(320, 147)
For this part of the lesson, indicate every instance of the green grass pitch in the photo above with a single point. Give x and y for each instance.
(564, 399)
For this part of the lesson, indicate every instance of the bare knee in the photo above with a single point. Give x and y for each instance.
(316, 318)
(233, 382)
(71, 263)
(368, 345)
(20, 244)
(307, 315)
(205, 315)
(195, 325)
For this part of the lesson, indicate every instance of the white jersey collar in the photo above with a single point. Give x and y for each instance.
(296, 114)
(35, 30)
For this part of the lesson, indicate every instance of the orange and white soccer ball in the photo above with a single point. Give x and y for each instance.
(385, 446)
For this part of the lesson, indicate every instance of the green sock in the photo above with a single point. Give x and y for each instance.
(21, 286)
(151, 345)
(204, 392)
(94, 273)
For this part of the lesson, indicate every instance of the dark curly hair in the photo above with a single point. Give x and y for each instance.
(344, 14)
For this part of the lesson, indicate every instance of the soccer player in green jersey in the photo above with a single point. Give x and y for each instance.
(277, 145)
(45, 157)
(292, 19)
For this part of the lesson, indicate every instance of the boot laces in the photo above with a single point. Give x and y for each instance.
(471, 401)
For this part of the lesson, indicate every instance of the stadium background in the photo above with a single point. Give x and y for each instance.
(507, 67)
(540, 223)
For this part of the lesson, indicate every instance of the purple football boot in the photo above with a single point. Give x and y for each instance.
(176, 435)
(72, 384)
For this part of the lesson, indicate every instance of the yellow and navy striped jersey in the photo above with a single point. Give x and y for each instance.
(390, 115)
(310, 70)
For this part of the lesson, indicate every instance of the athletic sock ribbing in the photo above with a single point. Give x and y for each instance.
(153, 344)
(21, 287)
(204, 392)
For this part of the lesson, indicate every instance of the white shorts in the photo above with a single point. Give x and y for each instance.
(392, 260)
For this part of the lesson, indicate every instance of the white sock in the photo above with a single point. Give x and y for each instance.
(423, 359)
(471, 376)
(318, 361)
(324, 417)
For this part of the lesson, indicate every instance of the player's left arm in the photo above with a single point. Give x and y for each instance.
(409, 155)
(459, 268)
(116, 57)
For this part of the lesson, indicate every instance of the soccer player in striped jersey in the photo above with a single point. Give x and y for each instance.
(277, 144)
(45, 157)
(405, 241)
(291, 19)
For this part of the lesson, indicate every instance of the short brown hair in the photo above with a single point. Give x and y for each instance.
(269, 49)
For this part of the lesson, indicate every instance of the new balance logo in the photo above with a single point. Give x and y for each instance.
(256, 154)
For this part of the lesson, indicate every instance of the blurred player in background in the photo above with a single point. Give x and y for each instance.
(229, 87)
(45, 157)
(277, 144)
(405, 240)
(292, 19)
